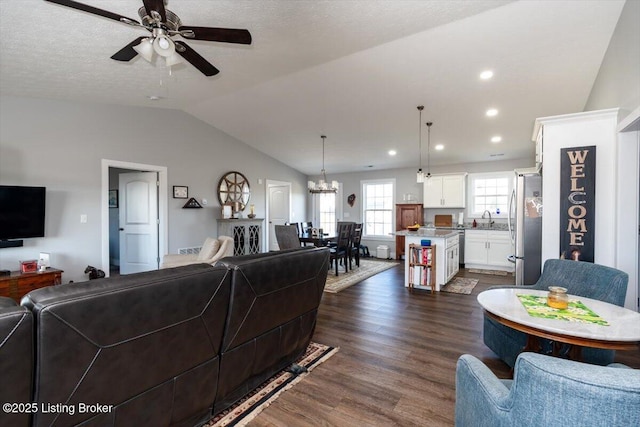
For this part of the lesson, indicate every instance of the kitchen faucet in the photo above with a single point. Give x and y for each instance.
(490, 221)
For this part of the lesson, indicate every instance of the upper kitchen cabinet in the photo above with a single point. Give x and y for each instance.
(445, 191)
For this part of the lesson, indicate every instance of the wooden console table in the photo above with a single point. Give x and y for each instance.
(19, 284)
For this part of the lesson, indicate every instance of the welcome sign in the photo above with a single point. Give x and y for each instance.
(577, 203)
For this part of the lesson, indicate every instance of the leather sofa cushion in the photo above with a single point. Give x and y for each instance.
(146, 343)
(16, 359)
(271, 289)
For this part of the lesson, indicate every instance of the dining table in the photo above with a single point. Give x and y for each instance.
(316, 240)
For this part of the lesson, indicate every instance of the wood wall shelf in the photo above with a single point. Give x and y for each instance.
(192, 204)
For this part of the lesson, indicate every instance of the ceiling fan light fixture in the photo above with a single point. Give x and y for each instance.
(164, 46)
(174, 59)
(145, 49)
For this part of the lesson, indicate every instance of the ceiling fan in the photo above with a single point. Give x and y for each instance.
(163, 25)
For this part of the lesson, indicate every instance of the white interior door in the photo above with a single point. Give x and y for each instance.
(139, 222)
(279, 208)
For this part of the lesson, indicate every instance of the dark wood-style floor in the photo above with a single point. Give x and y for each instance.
(397, 358)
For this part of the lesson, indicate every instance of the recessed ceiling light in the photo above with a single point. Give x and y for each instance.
(392, 152)
(439, 147)
(155, 97)
(496, 139)
(491, 112)
(486, 75)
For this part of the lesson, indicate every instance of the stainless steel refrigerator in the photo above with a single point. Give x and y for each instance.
(525, 225)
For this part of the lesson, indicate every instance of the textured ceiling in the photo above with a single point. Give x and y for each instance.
(353, 70)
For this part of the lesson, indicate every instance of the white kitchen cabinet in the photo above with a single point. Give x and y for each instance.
(452, 254)
(445, 191)
(488, 249)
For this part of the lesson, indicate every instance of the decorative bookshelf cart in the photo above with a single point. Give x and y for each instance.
(443, 244)
(422, 266)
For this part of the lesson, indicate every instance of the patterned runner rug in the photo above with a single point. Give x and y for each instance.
(460, 285)
(256, 401)
(368, 268)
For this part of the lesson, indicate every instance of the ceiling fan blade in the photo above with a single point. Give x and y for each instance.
(158, 6)
(226, 35)
(90, 9)
(195, 59)
(127, 53)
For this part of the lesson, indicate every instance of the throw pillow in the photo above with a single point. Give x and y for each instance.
(209, 249)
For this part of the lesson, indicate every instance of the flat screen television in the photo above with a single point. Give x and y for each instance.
(21, 212)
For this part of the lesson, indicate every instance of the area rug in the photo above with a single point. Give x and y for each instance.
(367, 269)
(492, 272)
(460, 285)
(256, 401)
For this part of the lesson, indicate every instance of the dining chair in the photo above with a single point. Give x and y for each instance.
(306, 227)
(296, 225)
(354, 246)
(340, 252)
(287, 237)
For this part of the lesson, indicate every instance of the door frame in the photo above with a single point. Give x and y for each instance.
(163, 227)
(272, 183)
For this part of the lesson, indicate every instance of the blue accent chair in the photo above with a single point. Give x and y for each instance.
(580, 278)
(547, 391)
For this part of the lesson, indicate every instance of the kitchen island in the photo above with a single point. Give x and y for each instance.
(447, 253)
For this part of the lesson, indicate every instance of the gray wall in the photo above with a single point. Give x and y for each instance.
(617, 83)
(60, 145)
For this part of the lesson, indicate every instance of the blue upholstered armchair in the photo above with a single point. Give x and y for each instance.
(580, 278)
(547, 391)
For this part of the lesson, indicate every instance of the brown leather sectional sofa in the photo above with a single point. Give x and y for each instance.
(162, 348)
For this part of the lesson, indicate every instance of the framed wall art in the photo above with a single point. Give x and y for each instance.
(113, 198)
(180, 192)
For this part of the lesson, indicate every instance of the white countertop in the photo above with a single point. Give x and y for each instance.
(624, 324)
(427, 232)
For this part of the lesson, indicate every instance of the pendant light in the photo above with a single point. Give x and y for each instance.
(420, 174)
(323, 186)
(429, 149)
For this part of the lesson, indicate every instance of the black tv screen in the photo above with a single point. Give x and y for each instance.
(21, 212)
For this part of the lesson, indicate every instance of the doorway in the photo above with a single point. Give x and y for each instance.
(159, 245)
(278, 209)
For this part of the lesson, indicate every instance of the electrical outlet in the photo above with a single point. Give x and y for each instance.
(83, 218)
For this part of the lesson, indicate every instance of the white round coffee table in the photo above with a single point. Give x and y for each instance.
(621, 333)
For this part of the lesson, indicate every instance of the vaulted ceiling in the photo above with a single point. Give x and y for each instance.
(352, 70)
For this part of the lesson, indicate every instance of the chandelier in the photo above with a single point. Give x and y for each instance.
(323, 186)
(420, 174)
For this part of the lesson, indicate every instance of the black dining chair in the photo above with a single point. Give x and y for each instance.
(340, 252)
(287, 237)
(354, 246)
(296, 225)
(306, 227)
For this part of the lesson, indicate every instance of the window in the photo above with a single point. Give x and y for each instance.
(490, 191)
(326, 211)
(378, 208)
(325, 208)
